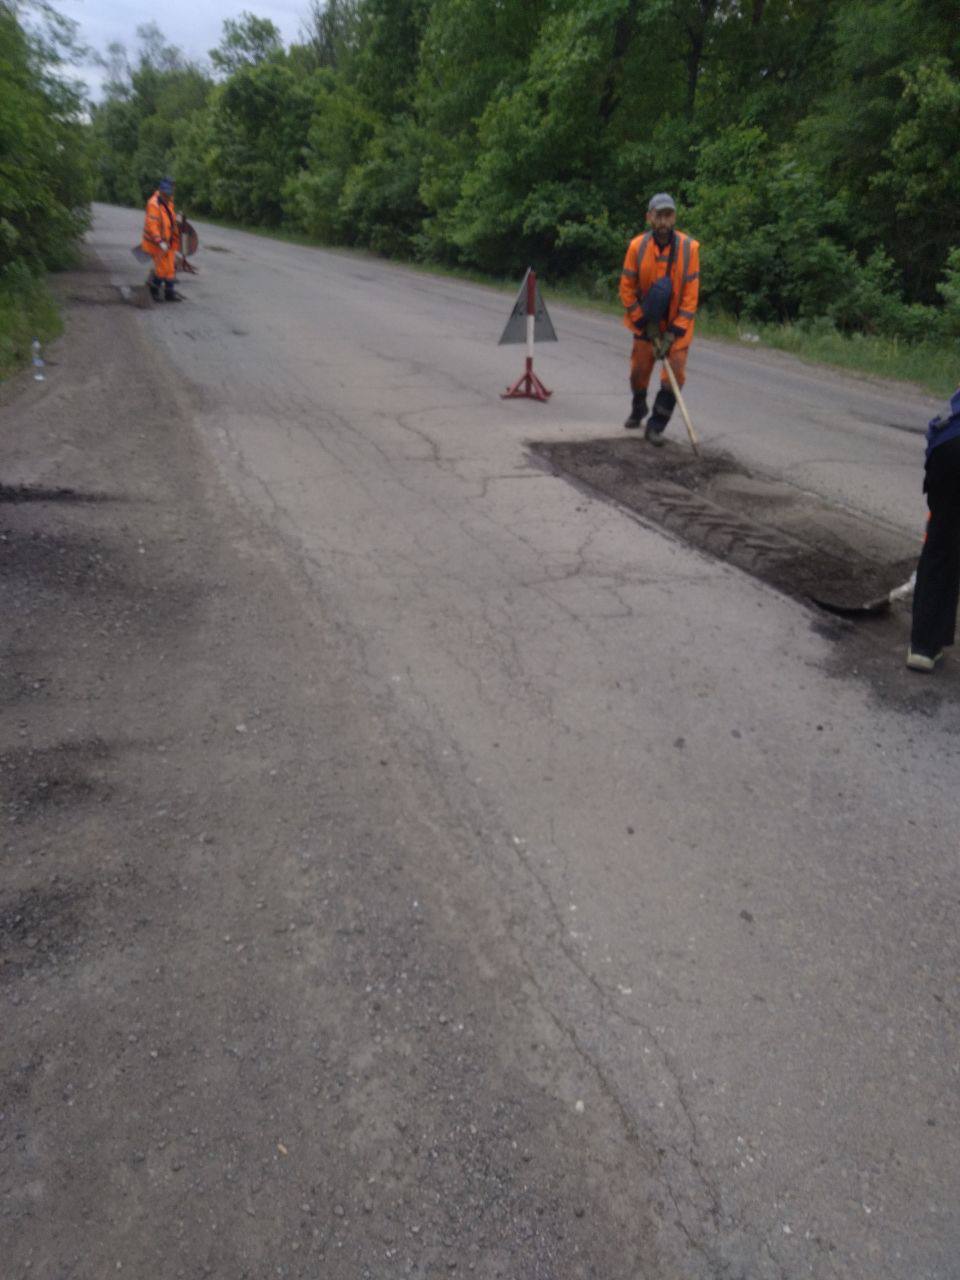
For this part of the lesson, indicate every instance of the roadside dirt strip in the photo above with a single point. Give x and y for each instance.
(259, 1016)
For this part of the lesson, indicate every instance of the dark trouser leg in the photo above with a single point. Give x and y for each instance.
(638, 409)
(641, 367)
(935, 593)
(662, 409)
(938, 573)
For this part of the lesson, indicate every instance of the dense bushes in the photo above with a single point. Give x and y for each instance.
(45, 181)
(44, 178)
(811, 143)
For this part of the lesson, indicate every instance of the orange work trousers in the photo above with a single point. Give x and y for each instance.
(642, 361)
(164, 263)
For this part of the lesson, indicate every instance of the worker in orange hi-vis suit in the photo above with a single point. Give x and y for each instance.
(659, 288)
(161, 239)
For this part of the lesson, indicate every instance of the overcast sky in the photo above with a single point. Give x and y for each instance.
(195, 26)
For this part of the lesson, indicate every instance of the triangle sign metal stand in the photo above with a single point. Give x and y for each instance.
(528, 322)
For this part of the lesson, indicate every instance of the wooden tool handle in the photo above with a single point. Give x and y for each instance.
(683, 408)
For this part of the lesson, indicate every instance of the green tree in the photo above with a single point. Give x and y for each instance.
(386, 62)
(890, 67)
(342, 126)
(247, 42)
(44, 172)
(920, 181)
(469, 54)
(252, 143)
(331, 32)
(146, 108)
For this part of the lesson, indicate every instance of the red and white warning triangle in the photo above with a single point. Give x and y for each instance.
(529, 322)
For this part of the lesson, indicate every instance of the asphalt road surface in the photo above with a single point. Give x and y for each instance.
(418, 864)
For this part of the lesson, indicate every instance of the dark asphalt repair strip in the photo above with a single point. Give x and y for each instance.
(784, 537)
(695, 500)
(37, 493)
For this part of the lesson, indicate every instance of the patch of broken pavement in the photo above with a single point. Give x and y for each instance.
(794, 541)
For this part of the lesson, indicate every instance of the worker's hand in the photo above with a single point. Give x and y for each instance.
(164, 246)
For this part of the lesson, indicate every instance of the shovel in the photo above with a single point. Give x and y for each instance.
(868, 608)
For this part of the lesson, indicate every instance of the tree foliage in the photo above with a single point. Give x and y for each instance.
(136, 128)
(247, 42)
(44, 175)
(811, 143)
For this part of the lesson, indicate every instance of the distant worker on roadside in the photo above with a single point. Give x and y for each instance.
(660, 288)
(937, 588)
(161, 239)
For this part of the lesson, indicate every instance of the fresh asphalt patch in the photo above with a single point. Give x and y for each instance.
(834, 559)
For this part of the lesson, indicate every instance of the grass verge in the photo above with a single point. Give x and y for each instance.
(934, 367)
(27, 311)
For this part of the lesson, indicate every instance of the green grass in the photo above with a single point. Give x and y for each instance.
(27, 311)
(934, 367)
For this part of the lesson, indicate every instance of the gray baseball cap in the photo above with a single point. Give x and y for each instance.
(661, 201)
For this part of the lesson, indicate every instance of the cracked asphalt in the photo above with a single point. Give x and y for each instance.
(417, 864)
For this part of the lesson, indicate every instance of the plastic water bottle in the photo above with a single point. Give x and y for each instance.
(38, 374)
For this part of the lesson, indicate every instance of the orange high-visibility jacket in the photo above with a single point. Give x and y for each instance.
(160, 223)
(646, 262)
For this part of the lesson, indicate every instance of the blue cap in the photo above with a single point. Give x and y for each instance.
(166, 186)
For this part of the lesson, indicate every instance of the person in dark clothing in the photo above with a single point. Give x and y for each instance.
(937, 588)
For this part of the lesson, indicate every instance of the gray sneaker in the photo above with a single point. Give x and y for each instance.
(922, 661)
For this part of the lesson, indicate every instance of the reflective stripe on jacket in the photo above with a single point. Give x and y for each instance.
(646, 262)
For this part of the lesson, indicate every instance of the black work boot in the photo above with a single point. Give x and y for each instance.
(170, 294)
(662, 409)
(153, 284)
(638, 410)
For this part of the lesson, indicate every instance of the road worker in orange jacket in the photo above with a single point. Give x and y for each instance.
(659, 288)
(161, 239)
